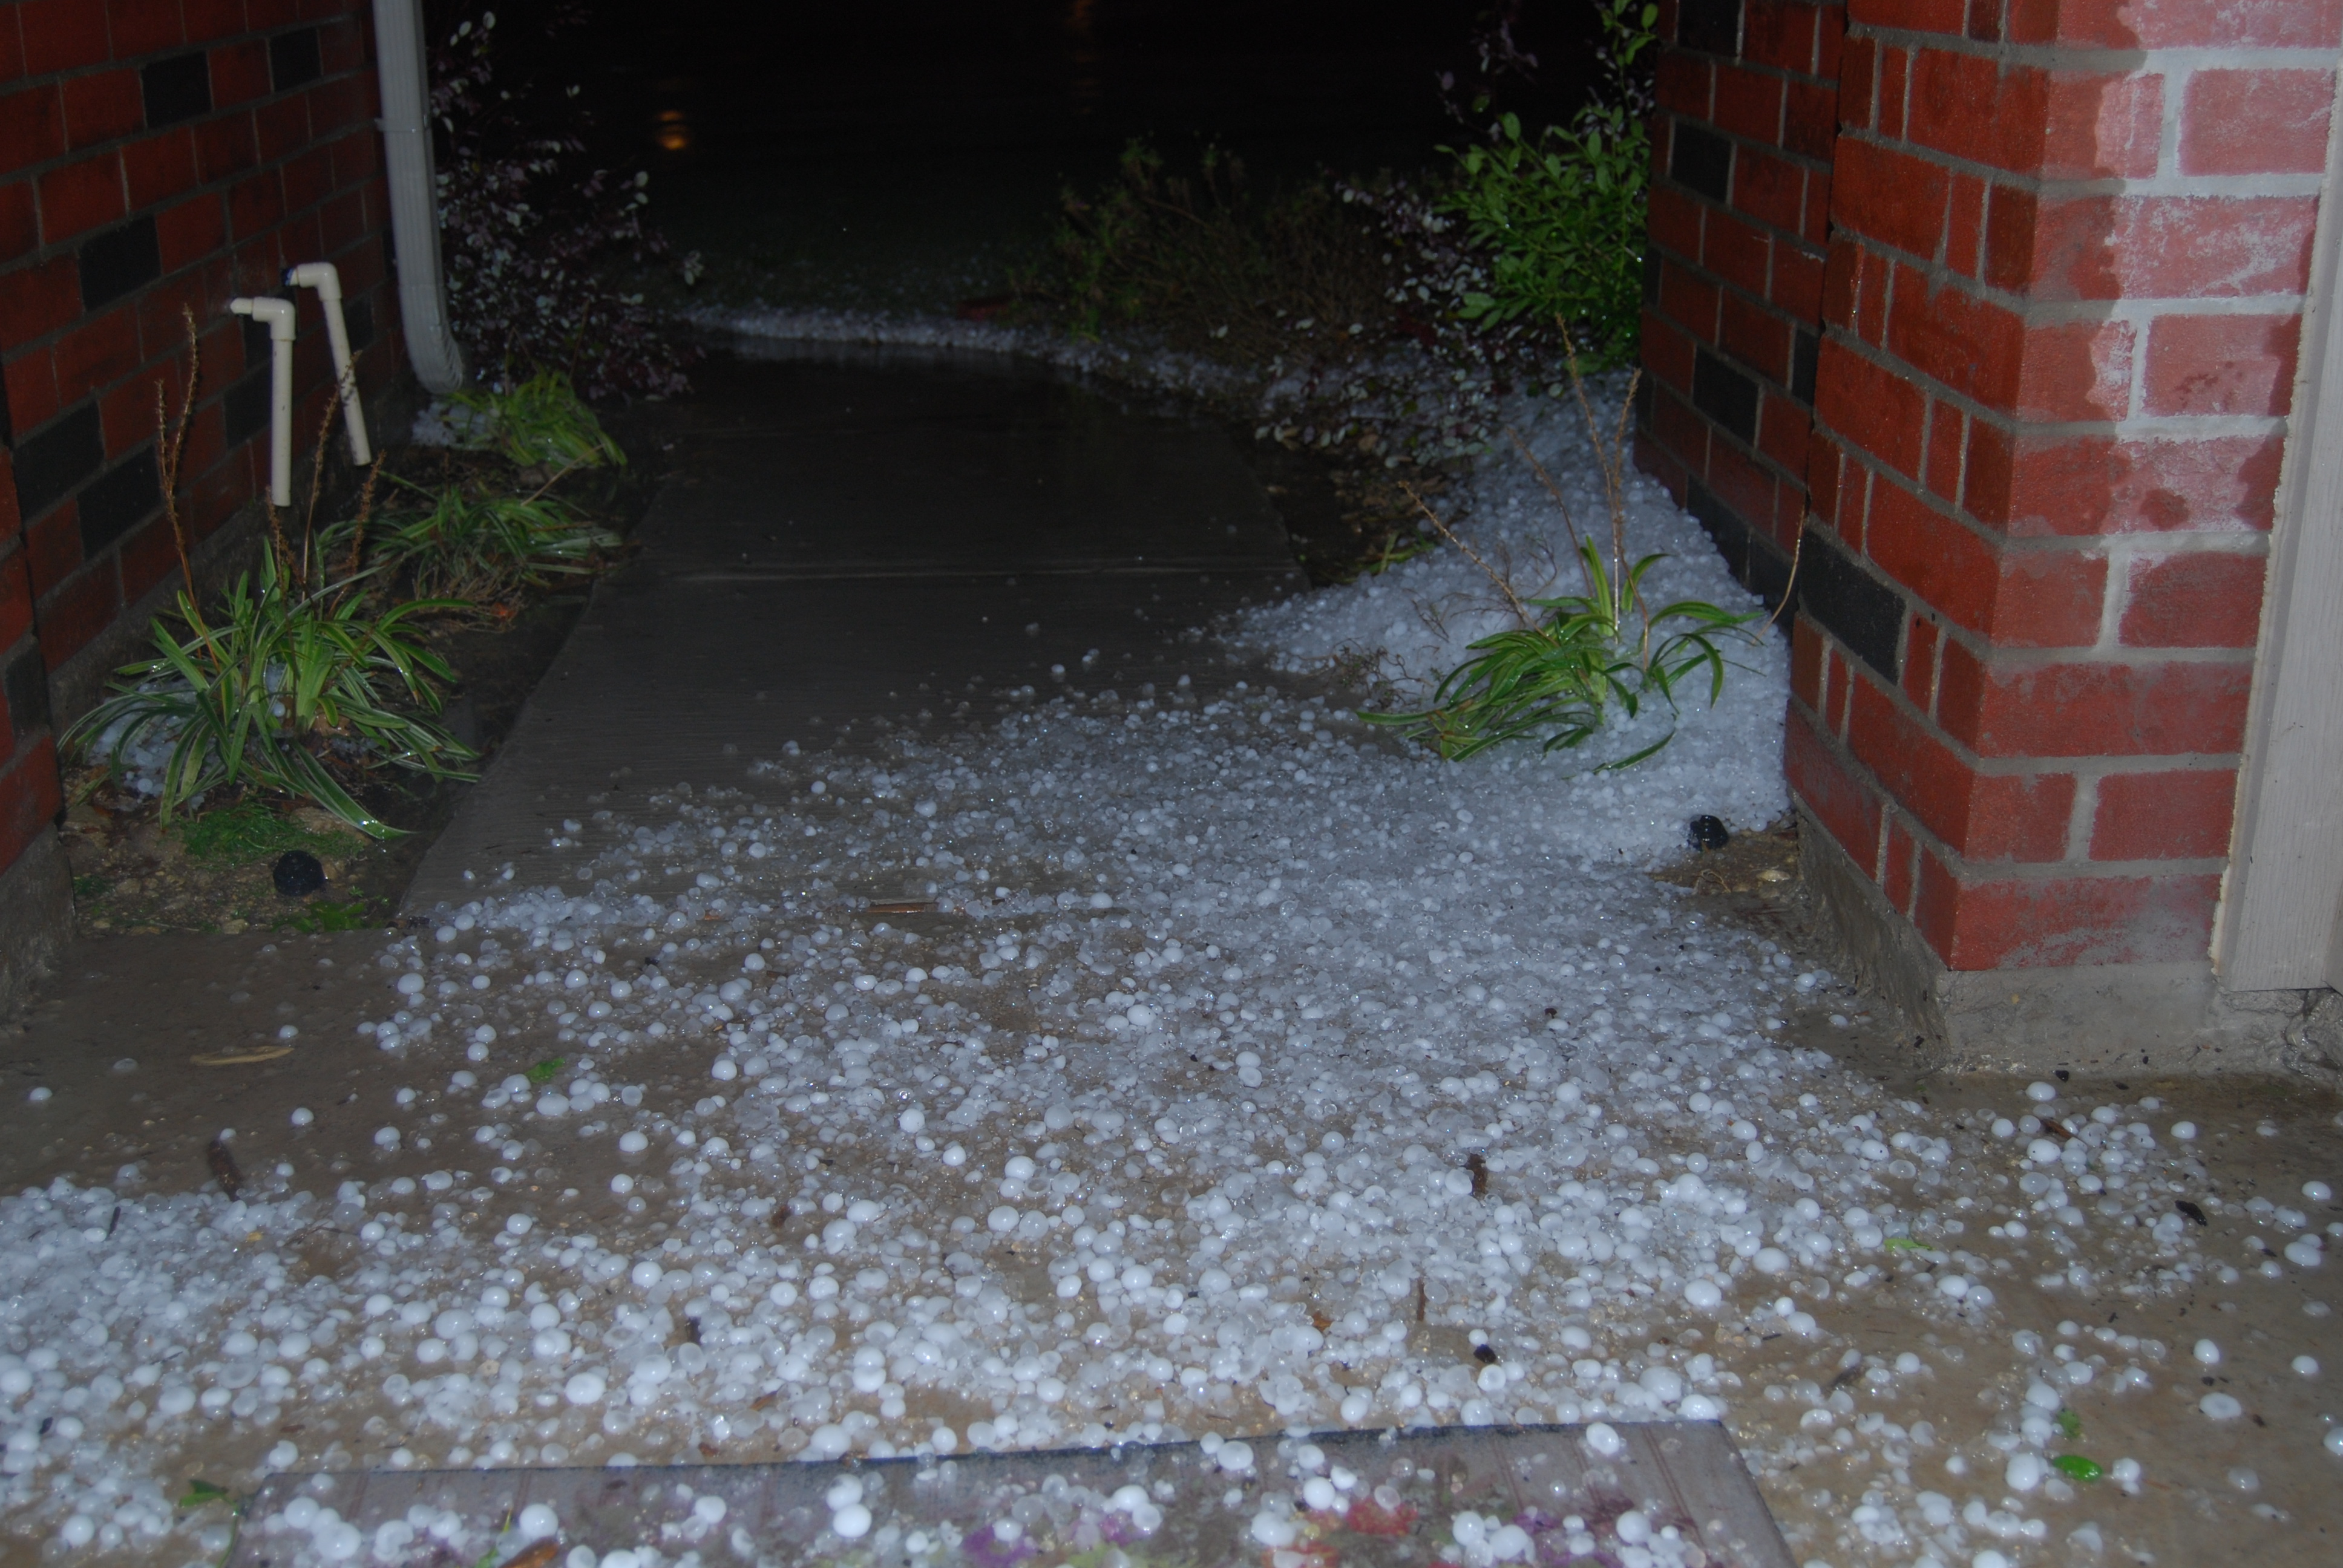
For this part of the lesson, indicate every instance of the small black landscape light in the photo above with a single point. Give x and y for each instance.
(1707, 833)
(297, 873)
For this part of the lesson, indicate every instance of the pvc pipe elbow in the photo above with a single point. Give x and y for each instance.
(321, 275)
(277, 313)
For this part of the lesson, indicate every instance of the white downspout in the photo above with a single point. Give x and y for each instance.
(321, 276)
(279, 314)
(431, 345)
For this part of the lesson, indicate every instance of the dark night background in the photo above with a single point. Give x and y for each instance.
(898, 152)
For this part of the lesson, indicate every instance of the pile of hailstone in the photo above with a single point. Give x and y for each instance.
(1252, 1072)
(1245, 1045)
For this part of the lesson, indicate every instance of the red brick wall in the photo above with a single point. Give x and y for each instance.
(154, 155)
(1747, 122)
(2066, 251)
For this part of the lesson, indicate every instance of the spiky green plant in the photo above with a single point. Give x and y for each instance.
(480, 550)
(285, 689)
(1556, 674)
(1555, 679)
(541, 421)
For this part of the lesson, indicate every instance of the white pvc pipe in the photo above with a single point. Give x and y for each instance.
(279, 314)
(399, 57)
(321, 276)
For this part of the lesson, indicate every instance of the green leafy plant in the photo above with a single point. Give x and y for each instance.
(2079, 1467)
(289, 690)
(1555, 675)
(1555, 678)
(542, 1072)
(479, 549)
(1560, 212)
(289, 687)
(540, 422)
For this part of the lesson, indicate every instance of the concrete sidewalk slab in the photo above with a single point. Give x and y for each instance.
(852, 533)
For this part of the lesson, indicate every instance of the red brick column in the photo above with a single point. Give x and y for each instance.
(2069, 247)
(154, 155)
(1749, 115)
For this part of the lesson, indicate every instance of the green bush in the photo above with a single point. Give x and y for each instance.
(1555, 680)
(1555, 674)
(290, 690)
(478, 550)
(537, 423)
(1559, 215)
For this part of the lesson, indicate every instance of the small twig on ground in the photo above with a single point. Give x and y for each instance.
(1521, 610)
(224, 1168)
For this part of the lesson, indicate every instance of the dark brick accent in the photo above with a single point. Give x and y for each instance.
(1726, 395)
(357, 318)
(1712, 26)
(1748, 554)
(112, 505)
(49, 464)
(118, 262)
(293, 59)
(26, 686)
(1864, 614)
(1802, 366)
(178, 88)
(1701, 160)
(244, 409)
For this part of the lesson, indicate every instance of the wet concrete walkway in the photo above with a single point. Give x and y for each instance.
(853, 533)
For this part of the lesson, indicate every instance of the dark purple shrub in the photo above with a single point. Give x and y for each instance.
(537, 243)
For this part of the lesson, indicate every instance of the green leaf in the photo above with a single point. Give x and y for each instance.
(2070, 1423)
(200, 1491)
(1906, 1244)
(275, 682)
(2074, 1467)
(544, 1071)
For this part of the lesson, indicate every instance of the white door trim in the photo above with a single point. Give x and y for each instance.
(2278, 924)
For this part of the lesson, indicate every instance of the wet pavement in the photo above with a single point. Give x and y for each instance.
(859, 533)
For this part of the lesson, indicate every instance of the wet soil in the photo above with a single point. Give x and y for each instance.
(135, 874)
